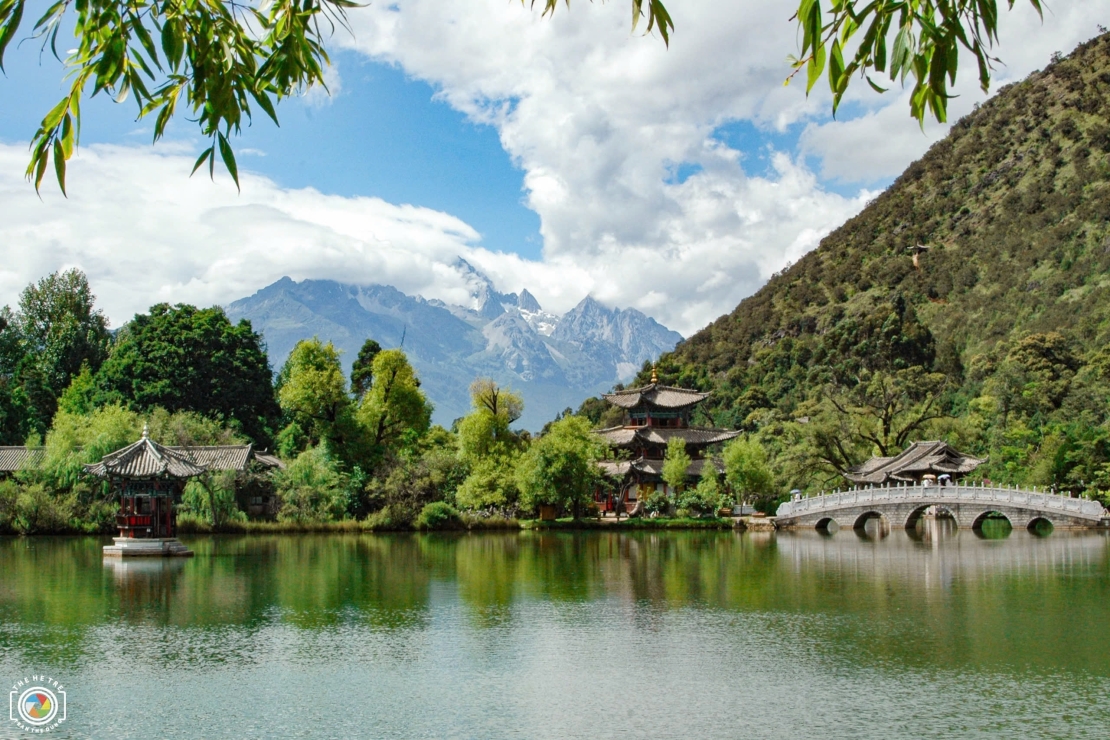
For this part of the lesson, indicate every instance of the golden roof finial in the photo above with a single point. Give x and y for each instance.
(654, 374)
(146, 431)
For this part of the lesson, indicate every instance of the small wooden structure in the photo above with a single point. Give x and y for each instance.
(918, 463)
(148, 478)
(655, 414)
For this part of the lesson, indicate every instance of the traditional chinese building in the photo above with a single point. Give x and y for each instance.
(654, 414)
(921, 461)
(149, 479)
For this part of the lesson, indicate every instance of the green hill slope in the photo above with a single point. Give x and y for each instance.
(997, 329)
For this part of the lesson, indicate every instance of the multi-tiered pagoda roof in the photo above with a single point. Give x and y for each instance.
(655, 414)
(656, 396)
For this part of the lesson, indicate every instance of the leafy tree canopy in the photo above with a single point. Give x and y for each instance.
(362, 371)
(395, 412)
(187, 359)
(560, 467)
(485, 430)
(676, 461)
(313, 396)
(223, 61)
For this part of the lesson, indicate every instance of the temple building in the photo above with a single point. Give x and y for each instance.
(920, 462)
(654, 414)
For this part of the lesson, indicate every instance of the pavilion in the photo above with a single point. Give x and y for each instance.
(916, 463)
(654, 414)
(149, 479)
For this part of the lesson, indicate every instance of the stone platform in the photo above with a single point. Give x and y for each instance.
(136, 547)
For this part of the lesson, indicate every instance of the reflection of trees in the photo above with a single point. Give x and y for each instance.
(952, 598)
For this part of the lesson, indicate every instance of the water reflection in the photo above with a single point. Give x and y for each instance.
(450, 621)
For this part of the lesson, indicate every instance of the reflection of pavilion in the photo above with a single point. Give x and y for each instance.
(142, 582)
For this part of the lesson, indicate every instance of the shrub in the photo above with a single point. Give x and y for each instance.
(657, 503)
(39, 512)
(9, 493)
(439, 515)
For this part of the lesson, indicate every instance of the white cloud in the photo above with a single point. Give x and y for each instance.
(596, 117)
(144, 231)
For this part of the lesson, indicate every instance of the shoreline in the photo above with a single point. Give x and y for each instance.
(190, 528)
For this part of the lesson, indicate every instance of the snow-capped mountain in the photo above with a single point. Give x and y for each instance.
(554, 361)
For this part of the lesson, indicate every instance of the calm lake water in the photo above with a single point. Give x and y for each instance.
(677, 634)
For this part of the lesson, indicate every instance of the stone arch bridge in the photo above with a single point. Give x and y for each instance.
(901, 506)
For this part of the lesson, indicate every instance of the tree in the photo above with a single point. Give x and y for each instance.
(560, 468)
(747, 470)
(489, 447)
(705, 497)
(362, 371)
(675, 464)
(59, 332)
(187, 359)
(926, 42)
(17, 415)
(267, 51)
(880, 414)
(313, 396)
(395, 412)
(485, 430)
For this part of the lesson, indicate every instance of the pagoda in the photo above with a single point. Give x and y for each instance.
(148, 478)
(654, 414)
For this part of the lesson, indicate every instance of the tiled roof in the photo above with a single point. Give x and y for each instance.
(146, 459)
(19, 458)
(137, 459)
(920, 458)
(269, 461)
(615, 468)
(218, 457)
(651, 436)
(660, 396)
(654, 467)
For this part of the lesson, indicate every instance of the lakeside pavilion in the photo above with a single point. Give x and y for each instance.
(654, 414)
(149, 479)
(921, 462)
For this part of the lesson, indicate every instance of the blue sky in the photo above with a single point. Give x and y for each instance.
(384, 135)
(564, 155)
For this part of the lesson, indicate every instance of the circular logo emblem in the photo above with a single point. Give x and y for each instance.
(37, 705)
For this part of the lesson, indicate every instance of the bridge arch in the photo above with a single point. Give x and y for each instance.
(989, 514)
(825, 524)
(1041, 526)
(915, 515)
(860, 524)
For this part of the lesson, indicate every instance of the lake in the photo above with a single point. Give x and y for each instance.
(569, 635)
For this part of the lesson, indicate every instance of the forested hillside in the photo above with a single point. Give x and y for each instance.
(994, 339)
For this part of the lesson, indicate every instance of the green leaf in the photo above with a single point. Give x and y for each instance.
(200, 160)
(60, 166)
(836, 68)
(228, 157)
(815, 67)
(11, 16)
(875, 87)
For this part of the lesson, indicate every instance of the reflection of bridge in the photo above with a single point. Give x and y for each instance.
(902, 506)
